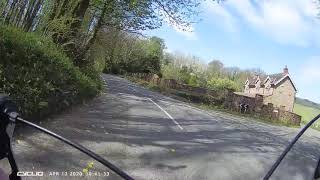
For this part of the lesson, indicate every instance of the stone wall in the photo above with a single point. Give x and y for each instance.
(234, 101)
(268, 112)
(255, 105)
(289, 117)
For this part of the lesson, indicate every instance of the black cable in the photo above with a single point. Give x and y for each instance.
(79, 147)
(284, 153)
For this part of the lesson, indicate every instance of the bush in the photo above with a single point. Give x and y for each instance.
(220, 84)
(38, 76)
(93, 74)
(193, 80)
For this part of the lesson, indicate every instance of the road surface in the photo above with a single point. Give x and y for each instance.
(154, 137)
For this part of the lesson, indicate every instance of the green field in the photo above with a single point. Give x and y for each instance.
(307, 113)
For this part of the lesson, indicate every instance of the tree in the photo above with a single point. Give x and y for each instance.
(215, 68)
(125, 52)
(75, 24)
(155, 47)
(137, 15)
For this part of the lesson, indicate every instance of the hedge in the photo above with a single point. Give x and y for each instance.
(38, 76)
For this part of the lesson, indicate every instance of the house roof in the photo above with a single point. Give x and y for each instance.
(274, 79)
(253, 79)
(283, 78)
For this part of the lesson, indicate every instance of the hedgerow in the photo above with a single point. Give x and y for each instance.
(38, 76)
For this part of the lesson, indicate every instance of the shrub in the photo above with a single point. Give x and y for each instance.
(94, 74)
(219, 84)
(193, 80)
(38, 76)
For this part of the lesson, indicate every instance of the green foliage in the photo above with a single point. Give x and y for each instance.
(185, 74)
(39, 78)
(185, 69)
(125, 53)
(74, 24)
(193, 80)
(134, 15)
(169, 72)
(190, 70)
(58, 28)
(94, 74)
(221, 84)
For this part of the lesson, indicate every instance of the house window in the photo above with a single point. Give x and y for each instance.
(268, 86)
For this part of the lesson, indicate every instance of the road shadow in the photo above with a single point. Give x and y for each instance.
(121, 127)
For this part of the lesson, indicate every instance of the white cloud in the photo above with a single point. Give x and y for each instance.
(309, 72)
(219, 11)
(285, 24)
(287, 21)
(307, 77)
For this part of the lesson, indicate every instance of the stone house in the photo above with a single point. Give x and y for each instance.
(277, 89)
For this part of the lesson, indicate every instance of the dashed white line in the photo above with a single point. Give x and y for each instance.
(166, 114)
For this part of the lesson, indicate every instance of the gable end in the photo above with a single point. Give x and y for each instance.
(280, 81)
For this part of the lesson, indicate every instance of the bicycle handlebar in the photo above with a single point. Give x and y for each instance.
(9, 116)
(77, 146)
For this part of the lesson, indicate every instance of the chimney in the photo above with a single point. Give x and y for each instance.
(285, 70)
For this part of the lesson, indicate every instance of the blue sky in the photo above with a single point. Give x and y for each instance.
(266, 34)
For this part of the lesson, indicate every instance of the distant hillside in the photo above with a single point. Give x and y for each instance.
(307, 109)
(308, 103)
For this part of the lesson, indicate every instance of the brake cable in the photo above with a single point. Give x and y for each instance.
(79, 147)
(288, 148)
(8, 115)
(14, 118)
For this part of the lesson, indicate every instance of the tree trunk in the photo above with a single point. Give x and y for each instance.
(28, 13)
(92, 22)
(4, 11)
(98, 26)
(34, 12)
(78, 14)
(63, 9)
(54, 11)
(20, 13)
(10, 12)
(75, 50)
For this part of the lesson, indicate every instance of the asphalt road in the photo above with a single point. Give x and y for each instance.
(152, 137)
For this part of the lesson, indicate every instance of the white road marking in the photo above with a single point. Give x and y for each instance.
(193, 108)
(166, 113)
